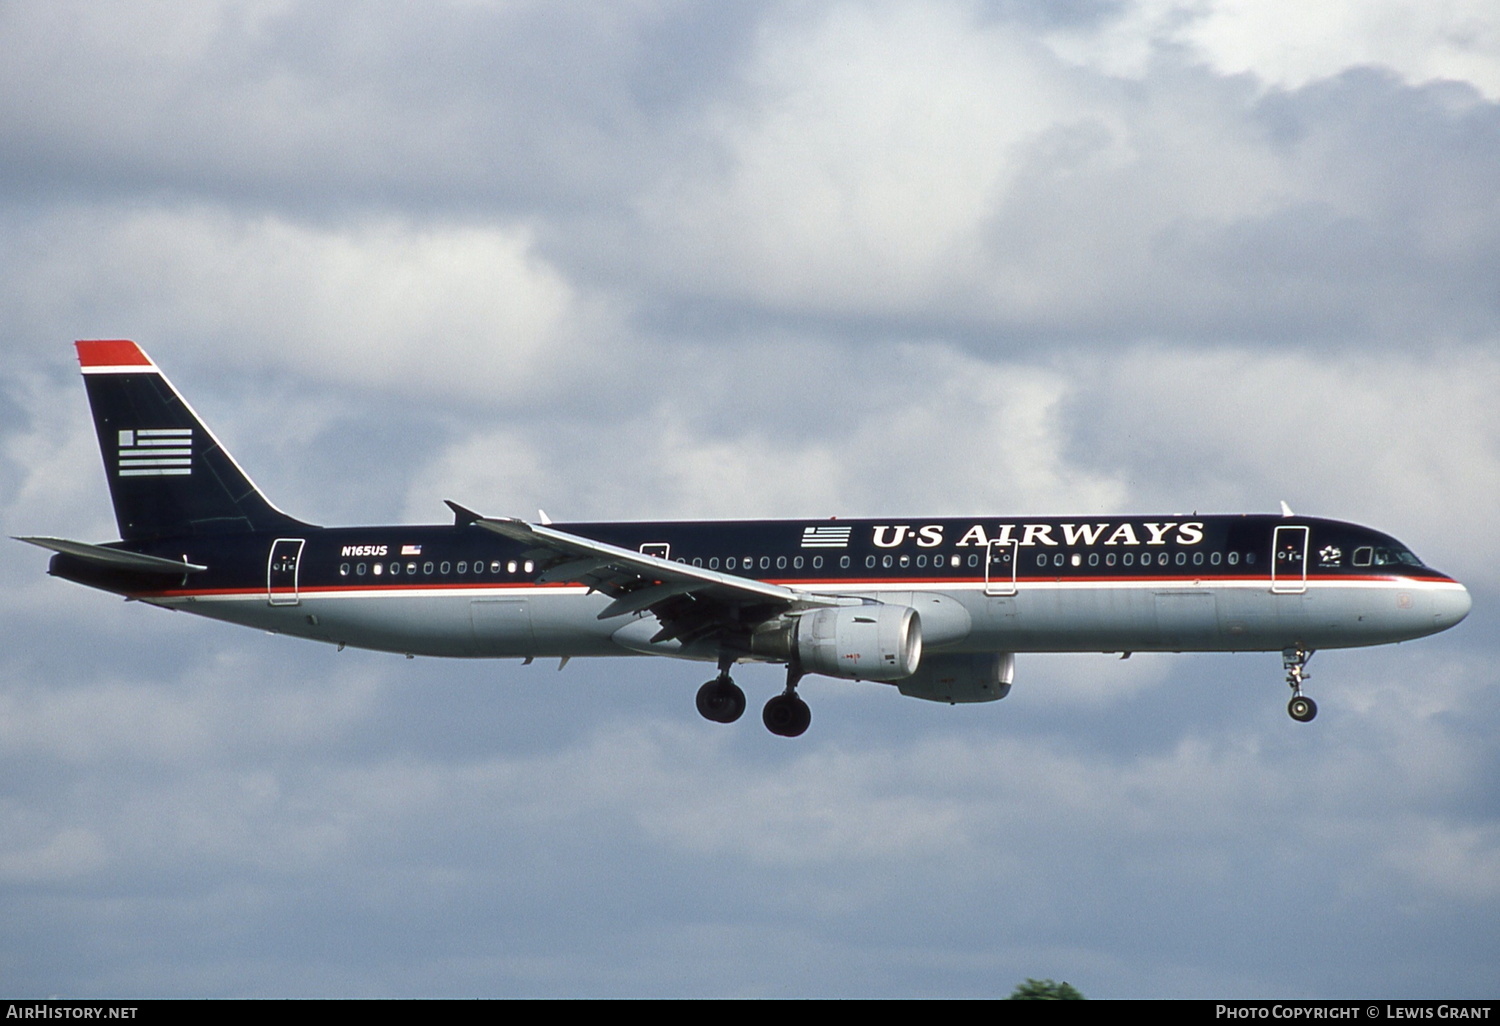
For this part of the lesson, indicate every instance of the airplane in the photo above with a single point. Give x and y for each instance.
(937, 607)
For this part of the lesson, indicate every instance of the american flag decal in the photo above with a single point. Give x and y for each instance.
(156, 452)
(825, 537)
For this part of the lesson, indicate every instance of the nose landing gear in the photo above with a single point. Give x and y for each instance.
(1294, 660)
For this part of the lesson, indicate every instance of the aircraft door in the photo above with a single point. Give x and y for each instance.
(661, 550)
(1000, 562)
(1289, 560)
(281, 571)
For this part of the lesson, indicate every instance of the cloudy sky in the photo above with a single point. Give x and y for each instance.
(656, 260)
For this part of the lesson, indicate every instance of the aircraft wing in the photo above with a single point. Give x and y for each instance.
(690, 602)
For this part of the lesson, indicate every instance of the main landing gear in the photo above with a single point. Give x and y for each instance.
(787, 715)
(1294, 660)
(722, 701)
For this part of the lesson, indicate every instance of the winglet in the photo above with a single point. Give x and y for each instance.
(462, 517)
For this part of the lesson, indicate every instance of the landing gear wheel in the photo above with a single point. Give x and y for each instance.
(786, 715)
(721, 700)
(1302, 709)
(1294, 661)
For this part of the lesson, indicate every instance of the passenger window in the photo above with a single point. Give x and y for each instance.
(1234, 558)
(427, 568)
(343, 569)
(870, 562)
(444, 567)
(843, 562)
(359, 571)
(463, 566)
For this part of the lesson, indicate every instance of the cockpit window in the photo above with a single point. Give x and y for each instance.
(1384, 555)
(1393, 557)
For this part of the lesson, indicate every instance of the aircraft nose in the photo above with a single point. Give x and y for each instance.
(1450, 606)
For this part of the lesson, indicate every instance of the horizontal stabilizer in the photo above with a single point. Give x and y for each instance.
(116, 559)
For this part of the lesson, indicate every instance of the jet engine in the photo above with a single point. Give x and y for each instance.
(968, 677)
(871, 642)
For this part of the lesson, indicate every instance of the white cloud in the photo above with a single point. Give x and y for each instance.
(1288, 44)
(936, 432)
(863, 150)
(1405, 443)
(449, 309)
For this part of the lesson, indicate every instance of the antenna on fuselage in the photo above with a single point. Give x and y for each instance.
(1286, 510)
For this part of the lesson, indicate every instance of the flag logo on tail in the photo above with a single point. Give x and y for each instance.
(156, 452)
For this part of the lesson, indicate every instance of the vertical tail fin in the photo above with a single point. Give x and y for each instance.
(168, 475)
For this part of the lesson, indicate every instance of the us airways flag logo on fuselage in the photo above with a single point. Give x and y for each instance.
(156, 452)
(825, 537)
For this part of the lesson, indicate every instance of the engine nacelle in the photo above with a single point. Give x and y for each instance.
(874, 642)
(969, 677)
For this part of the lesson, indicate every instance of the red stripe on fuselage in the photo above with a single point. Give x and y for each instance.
(840, 584)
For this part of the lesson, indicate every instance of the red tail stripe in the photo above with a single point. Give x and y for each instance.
(111, 352)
